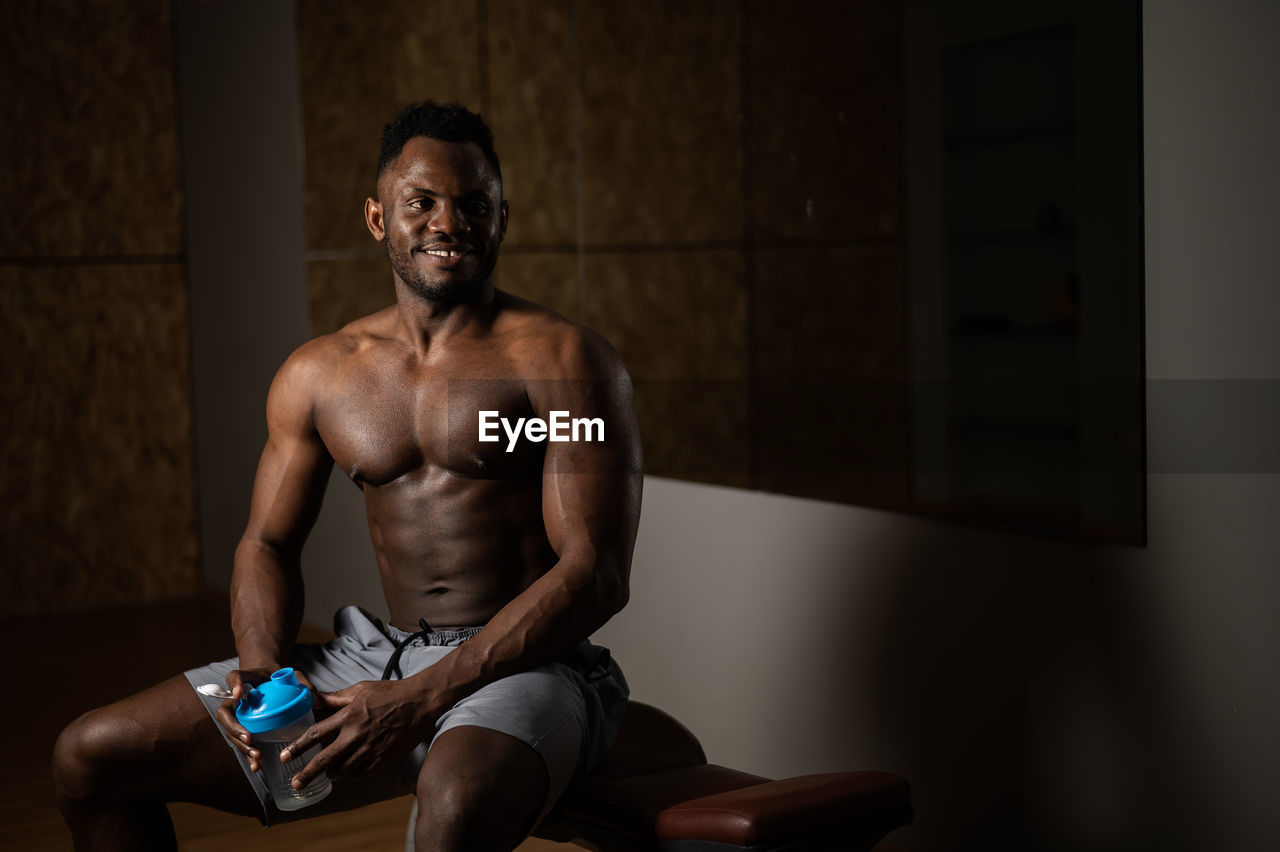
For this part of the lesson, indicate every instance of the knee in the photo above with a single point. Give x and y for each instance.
(478, 789)
(466, 812)
(448, 809)
(84, 756)
(456, 815)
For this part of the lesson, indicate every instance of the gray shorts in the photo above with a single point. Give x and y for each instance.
(567, 711)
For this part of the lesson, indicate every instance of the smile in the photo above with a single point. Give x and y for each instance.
(443, 252)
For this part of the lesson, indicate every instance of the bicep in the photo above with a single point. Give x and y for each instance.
(288, 491)
(592, 481)
(293, 470)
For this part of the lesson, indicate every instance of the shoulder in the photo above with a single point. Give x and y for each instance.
(548, 346)
(321, 356)
(321, 361)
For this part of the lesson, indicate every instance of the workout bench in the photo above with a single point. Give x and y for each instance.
(655, 792)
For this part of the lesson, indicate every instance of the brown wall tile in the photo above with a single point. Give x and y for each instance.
(825, 120)
(550, 280)
(531, 113)
(89, 133)
(672, 315)
(661, 129)
(358, 64)
(679, 322)
(696, 429)
(830, 401)
(339, 291)
(98, 479)
(830, 313)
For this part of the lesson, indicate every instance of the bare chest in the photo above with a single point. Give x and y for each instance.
(380, 429)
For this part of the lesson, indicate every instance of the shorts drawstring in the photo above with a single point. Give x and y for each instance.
(393, 664)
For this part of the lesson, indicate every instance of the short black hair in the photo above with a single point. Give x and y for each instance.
(449, 122)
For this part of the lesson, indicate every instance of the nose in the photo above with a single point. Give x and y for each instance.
(447, 219)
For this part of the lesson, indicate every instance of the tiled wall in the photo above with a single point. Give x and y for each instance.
(714, 186)
(96, 471)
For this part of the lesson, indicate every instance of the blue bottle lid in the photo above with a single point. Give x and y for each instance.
(279, 702)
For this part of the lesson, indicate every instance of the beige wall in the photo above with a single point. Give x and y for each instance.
(97, 462)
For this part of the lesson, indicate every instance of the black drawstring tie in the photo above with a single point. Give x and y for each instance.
(393, 664)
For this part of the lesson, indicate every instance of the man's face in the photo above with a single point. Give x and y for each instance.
(441, 212)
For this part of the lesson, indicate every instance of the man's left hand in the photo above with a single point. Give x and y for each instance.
(375, 722)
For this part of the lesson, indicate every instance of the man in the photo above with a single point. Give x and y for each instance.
(501, 547)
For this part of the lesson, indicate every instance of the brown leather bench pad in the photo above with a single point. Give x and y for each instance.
(776, 811)
(655, 787)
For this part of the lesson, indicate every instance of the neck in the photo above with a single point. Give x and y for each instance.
(422, 320)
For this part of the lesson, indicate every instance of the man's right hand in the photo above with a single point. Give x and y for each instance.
(240, 681)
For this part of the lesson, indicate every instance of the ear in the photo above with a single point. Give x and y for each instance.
(373, 219)
(504, 212)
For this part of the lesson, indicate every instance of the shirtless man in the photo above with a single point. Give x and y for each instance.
(497, 561)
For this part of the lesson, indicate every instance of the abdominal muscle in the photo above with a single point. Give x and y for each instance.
(455, 550)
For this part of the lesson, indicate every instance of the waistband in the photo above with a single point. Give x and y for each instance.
(431, 637)
(368, 630)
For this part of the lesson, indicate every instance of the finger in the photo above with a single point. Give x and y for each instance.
(358, 763)
(312, 735)
(238, 684)
(240, 738)
(304, 680)
(341, 698)
(240, 681)
(328, 761)
(226, 715)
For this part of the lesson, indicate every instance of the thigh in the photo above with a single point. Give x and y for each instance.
(544, 708)
(160, 745)
(479, 789)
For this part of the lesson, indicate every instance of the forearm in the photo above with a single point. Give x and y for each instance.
(266, 604)
(558, 611)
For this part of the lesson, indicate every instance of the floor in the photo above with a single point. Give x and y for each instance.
(72, 663)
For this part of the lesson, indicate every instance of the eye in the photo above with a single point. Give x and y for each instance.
(478, 208)
(420, 203)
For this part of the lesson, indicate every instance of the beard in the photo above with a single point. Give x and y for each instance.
(445, 291)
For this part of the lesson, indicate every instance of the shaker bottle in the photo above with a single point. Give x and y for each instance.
(276, 713)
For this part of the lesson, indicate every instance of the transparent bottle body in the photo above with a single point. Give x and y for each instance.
(279, 775)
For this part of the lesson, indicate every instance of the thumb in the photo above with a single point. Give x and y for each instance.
(306, 681)
(235, 683)
(341, 698)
